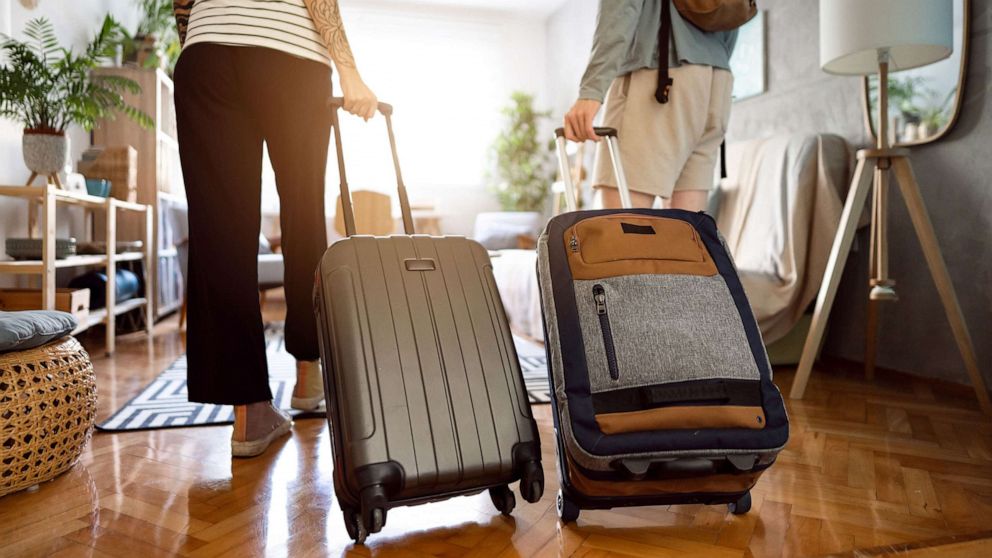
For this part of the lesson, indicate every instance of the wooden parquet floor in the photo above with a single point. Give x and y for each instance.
(899, 465)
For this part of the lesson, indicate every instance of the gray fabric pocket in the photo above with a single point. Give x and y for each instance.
(663, 328)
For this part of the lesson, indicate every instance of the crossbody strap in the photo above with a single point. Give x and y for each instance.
(664, 41)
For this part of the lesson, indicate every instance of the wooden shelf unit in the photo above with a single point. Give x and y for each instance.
(160, 180)
(46, 198)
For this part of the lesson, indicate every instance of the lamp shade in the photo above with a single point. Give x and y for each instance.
(915, 32)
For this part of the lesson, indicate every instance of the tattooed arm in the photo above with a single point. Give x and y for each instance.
(358, 98)
(182, 8)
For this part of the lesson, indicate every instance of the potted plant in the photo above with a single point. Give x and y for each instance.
(46, 87)
(934, 112)
(154, 42)
(522, 177)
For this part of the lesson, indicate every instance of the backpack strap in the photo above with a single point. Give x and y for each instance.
(664, 39)
(723, 159)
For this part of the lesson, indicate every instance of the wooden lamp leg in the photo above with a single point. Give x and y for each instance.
(941, 278)
(871, 322)
(856, 198)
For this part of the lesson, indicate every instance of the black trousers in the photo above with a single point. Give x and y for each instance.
(229, 100)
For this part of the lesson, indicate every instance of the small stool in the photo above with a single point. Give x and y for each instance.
(47, 411)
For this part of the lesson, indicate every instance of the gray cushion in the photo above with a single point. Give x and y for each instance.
(498, 230)
(33, 328)
(270, 270)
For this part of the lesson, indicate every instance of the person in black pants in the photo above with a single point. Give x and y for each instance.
(247, 77)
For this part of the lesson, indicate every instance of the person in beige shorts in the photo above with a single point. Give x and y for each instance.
(668, 150)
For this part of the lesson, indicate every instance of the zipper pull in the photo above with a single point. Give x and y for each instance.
(573, 244)
(599, 295)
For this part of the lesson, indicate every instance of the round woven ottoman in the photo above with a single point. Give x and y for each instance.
(47, 410)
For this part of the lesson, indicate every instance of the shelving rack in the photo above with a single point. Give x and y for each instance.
(160, 178)
(47, 197)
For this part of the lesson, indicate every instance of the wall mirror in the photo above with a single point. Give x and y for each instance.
(924, 102)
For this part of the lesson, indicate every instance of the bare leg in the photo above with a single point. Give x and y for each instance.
(608, 197)
(689, 200)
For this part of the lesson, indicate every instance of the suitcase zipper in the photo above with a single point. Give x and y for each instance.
(573, 244)
(599, 296)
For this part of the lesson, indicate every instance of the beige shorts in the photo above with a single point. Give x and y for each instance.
(672, 146)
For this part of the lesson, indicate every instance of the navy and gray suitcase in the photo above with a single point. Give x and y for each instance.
(661, 386)
(425, 397)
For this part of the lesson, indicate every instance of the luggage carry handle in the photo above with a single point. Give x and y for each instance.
(571, 194)
(349, 214)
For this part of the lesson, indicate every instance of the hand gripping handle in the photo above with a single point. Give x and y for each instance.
(571, 195)
(348, 212)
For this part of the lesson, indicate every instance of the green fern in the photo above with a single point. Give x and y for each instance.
(46, 87)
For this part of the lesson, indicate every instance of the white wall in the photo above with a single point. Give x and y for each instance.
(569, 32)
(447, 71)
(75, 21)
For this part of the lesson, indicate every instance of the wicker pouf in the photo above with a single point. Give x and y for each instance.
(47, 410)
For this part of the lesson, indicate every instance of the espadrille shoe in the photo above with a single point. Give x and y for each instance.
(308, 395)
(256, 426)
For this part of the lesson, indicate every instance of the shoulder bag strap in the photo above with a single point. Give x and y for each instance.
(664, 39)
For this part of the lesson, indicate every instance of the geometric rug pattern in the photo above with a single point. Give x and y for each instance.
(164, 403)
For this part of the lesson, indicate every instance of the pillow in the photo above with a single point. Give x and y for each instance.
(33, 328)
(500, 236)
(498, 230)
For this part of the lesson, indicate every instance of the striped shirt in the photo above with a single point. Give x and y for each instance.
(283, 25)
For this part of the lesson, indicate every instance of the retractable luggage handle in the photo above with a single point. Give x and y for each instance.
(349, 214)
(571, 195)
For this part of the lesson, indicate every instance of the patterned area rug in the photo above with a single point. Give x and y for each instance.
(164, 404)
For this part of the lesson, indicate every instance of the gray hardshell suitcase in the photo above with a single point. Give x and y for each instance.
(425, 397)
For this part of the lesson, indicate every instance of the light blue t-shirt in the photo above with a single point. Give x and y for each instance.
(626, 39)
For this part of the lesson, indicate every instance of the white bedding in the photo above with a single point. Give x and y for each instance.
(516, 276)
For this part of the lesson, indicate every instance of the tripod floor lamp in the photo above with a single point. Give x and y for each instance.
(862, 37)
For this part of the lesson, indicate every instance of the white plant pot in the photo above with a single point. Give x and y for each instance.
(45, 154)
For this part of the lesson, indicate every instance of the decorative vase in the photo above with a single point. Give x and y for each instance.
(45, 154)
(910, 132)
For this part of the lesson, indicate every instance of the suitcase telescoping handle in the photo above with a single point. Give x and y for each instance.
(349, 214)
(571, 194)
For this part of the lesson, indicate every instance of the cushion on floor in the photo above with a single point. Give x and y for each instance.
(33, 328)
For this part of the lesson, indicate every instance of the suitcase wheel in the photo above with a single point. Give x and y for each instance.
(503, 499)
(741, 506)
(568, 511)
(373, 515)
(353, 524)
(532, 482)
